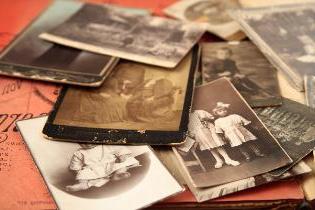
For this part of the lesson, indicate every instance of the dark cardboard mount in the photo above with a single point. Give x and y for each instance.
(121, 136)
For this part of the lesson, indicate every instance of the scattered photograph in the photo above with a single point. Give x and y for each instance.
(31, 57)
(212, 13)
(95, 176)
(286, 35)
(226, 140)
(139, 103)
(309, 90)
(208, 193)
(246, 67)
(169, 159)
(293, 125)
(146, 39)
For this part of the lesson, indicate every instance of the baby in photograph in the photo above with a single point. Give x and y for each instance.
(95, 165)
(232, 127)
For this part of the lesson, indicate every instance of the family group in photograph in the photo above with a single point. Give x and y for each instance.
(213, 131)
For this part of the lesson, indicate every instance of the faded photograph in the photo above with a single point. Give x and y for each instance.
(211, 13)
(134, 97)
(287, 34)
(42, 59)
(246, 67)
(106, 30)
(95, 176)
(214, 11)
(293, 125)
(226, 141)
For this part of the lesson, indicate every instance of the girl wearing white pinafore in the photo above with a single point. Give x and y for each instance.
(232, 126)
(203, 131)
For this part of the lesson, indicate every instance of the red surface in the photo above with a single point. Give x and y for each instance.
(15, 15)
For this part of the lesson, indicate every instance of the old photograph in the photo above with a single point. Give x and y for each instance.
(226, 141)
(169, 159)
(286, 35)
(293, 125)
(146, 39)
(246, 67)
(309, 90)
(140, 102)
(212, 13)
(31, 57)
(95, 176)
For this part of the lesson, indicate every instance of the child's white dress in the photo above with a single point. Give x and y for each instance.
(205, 136)
(99, 162)
(233, 128)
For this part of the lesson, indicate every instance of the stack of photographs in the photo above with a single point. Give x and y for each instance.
(232, 132)
(137, 104)
(225, 136)
(211, 13)
(285, 34)
(91, 176)
(30, 57)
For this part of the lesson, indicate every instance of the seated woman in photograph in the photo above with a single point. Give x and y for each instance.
(95, 165)
(232, 127)
(203, 131)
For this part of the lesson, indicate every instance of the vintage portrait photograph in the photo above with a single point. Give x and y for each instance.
(32, 57)
(287, 32)
(146, 39)
(226, 141)
(134, 97)
(211, 12)
(85, 176)
(246, 67)
(293, 125)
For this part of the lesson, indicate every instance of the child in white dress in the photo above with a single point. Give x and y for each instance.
(203, 131)
(233, 128)
(95, 165)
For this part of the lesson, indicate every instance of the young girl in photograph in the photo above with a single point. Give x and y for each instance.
(95, 165)
(203, 131)
(232, 126)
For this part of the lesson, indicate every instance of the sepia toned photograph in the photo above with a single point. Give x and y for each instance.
(140, 102)
(95, 176)
(293, 125)
(286, 35)
(309, 90)
(212, 13)
(226, 141)
(246, 67)
(146, 39)
(31, 57)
